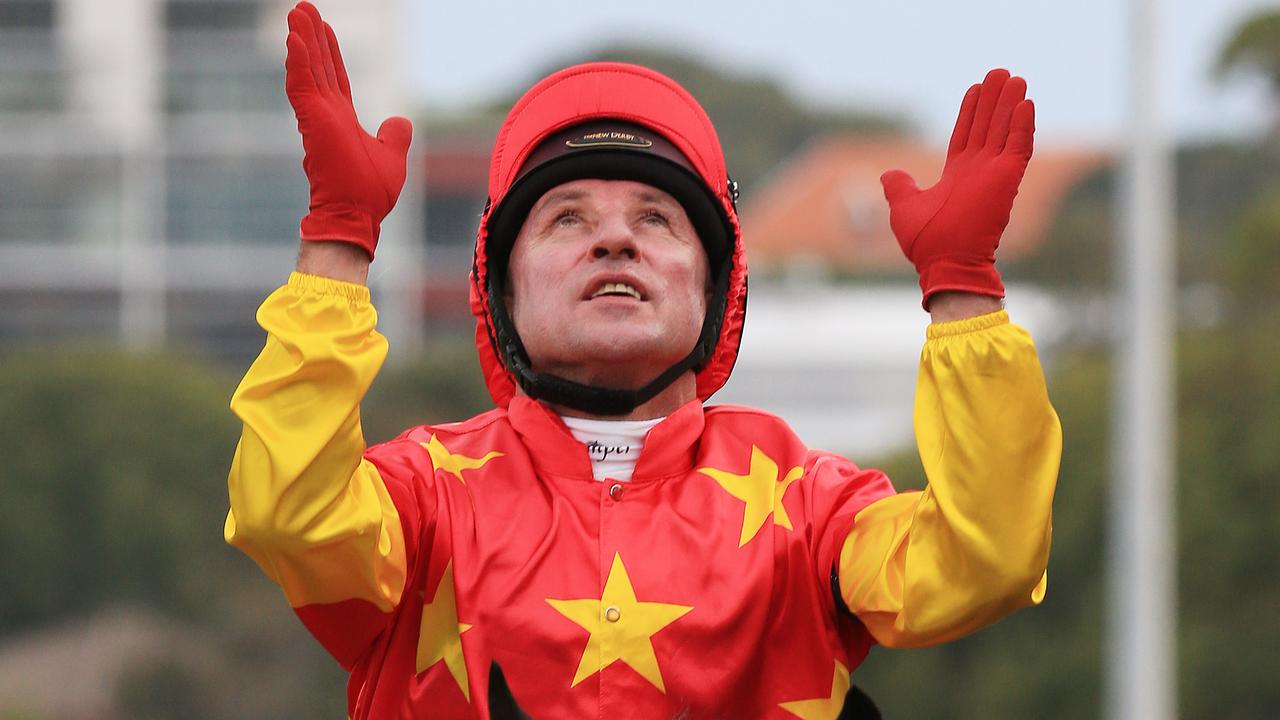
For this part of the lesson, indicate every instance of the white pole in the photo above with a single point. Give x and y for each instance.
(1142, 625)
(124, 89)
(142, 262)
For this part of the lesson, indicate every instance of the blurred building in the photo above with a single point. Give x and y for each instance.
(150, 181)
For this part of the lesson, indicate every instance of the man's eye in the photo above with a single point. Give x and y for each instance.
(655, 216)
(566, 218)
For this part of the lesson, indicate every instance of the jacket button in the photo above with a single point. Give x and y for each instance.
(612, 614)
(616, 490)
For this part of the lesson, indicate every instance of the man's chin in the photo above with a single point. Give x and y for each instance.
(619, 365)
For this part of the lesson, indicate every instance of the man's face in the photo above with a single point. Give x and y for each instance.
(607, 282)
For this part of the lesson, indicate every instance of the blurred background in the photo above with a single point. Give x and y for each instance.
(150, 189)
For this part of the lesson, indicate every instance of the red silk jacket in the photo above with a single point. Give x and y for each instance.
(702, 588)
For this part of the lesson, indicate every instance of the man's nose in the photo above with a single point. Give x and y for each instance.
(614, 238)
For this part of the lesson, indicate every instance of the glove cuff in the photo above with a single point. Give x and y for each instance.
(976, 275)
(341, 223)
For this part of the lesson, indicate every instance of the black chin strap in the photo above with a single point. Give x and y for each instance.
(595, 399)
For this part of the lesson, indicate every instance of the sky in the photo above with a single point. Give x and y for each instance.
(914, 59)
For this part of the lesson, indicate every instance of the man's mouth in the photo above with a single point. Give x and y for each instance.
(616, 288)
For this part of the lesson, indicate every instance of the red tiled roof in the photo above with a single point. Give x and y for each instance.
(825, 204)
(455, 171)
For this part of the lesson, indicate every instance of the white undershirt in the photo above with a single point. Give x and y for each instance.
(613, 445)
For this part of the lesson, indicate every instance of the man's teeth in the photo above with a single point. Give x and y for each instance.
(616, 289)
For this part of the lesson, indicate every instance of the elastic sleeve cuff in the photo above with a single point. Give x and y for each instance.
(967, 325)
(303, 282)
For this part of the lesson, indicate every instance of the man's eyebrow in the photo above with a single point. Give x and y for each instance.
(654, 196)
(556, 196)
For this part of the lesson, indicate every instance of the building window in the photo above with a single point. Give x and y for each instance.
(60, 199)
(31, 73)
(235, 199)
(211, 14)
(26, 14)
(213, 62)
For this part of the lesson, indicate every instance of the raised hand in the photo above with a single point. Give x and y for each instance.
(355, 178)
(950, 231)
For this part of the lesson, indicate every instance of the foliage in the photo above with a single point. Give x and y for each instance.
(164, 690)
(1229, 570)
(1078, 250)
(441, 385)
(114, 491)
(1215, 185)
(113, 482)
(1251, 262)
(1255, 47)
(114, 488)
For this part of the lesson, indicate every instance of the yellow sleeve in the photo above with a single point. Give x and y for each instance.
(305, 504)
(922, 568)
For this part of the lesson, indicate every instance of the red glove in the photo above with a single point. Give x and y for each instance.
(355, 178)
(950, 231)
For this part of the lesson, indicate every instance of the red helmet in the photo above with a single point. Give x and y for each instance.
(610, 121)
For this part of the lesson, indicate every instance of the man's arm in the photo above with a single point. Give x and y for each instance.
(338, 261)
(925, 567)
(949, 305)
(921, 568)
(320, 519)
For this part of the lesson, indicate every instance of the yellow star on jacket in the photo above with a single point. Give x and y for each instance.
(823, 708)
(442, 459)
(762, 489)
(621, 627)
(440, 636)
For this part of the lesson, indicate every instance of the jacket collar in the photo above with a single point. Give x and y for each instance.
(669, 449)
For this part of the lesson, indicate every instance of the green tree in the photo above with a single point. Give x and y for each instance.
(1254, 47)
(1216, 184)
(1229, 570)
(443, 384)
(114, 494)
(1250, 265)
(113, 484)
(1077, 252)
